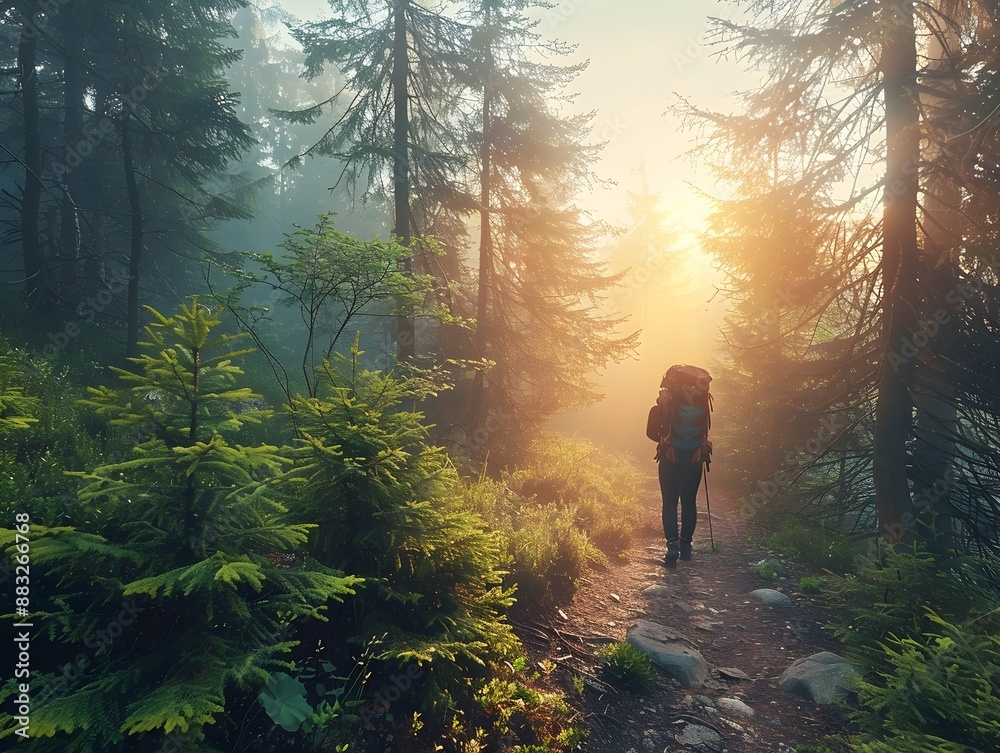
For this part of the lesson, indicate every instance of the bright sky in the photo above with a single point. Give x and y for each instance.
(643, 53)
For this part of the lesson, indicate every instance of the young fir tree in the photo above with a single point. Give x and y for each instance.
(180, 594)
(389, 507)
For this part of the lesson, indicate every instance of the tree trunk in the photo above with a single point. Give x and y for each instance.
(69, 225)
(485, 289)
(405, 344)
(135, 252)
(894, 406)
(36, 286)
(936, 423)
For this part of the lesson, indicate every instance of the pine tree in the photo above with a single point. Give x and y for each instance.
(870, 279)
(540, 281)
(192, 558)
(402, 64)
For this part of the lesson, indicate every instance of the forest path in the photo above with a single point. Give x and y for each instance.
(705, 600)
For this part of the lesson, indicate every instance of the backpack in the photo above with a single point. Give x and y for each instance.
(681, 383)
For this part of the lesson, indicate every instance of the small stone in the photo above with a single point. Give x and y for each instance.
(733, 673)
(771, 597)
(657, 591)
(698, 734)
(562, 614)
(821, 678)
(669, 651)
(735, 706)
(615, 597)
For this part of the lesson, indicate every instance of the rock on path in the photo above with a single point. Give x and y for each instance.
(821, 678)
(670, 651)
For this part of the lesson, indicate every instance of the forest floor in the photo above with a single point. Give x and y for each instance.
(706, 601)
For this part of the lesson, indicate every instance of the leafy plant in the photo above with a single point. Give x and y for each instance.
(943, 692)
(809, 585)
(627, 666)
(765, 571)
(284, 700)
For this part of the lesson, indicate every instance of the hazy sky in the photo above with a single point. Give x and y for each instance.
(642, 54)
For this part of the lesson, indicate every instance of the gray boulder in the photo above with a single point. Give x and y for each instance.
(821, 678)
(771, 597)
(670, 651)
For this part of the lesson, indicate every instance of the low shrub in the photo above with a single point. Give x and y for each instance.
(810, 585)
(626, 666)
(816, 545)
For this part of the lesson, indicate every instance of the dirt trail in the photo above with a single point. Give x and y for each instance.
(706, 601)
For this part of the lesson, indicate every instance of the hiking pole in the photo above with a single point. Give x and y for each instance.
(708, 506)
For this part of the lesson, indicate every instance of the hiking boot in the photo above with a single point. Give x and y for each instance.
(685, 550)
(670, 558)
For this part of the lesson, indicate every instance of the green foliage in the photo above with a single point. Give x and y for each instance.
(891, 598)
(16, 408)
(809, 585)
(942, 693)
(187, 553)
(627, 666)
(923, 628)
(765, 571)
(560, 512)
(332, 278)
(539, 720)
(814, 544)
(605, 487)
(388, 506)
(546, 550)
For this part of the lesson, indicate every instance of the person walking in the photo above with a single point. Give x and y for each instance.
(679, 423)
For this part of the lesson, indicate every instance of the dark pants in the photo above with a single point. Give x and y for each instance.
(679, 480)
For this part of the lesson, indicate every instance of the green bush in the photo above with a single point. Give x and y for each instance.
(545, 550)
(604, 488)
(388, 506)
(627, 666)
(927, 684)
(943, 693)
(765, 571)
(815, 545)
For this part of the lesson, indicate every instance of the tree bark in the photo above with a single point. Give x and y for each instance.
(894, 405)
(135, 251)
(69, 224)
(35, 273)
(405, 336)
(484, 292)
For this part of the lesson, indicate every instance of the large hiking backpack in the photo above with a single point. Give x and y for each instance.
(681, 384)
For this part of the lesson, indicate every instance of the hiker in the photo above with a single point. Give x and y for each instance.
(679, 424)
